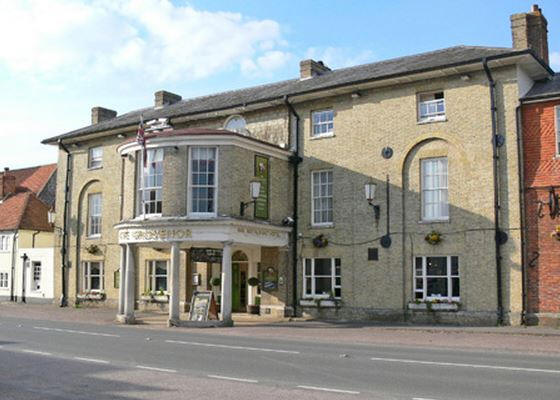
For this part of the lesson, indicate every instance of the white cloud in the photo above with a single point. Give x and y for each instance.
(339, 57)
(152, 39)
(265, 64)
(555, 60)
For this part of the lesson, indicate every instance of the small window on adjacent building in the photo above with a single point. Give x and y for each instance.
(157, 275)
(93, 276)
(4, 243)
(431, 107)
(36, 275)
(435, 202)
(3, 280)
(322, 198)
(237, 124)
(94, 214)
(437, 278)
(322, 123)
(95, 157)
(203, 181)
(322, 278)
(150, 181)
(557, 112)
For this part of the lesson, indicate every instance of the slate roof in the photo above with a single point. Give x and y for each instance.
(545, 88)
(433, 60)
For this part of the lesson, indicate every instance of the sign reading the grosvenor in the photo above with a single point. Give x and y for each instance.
(261, 174)
(148, 235)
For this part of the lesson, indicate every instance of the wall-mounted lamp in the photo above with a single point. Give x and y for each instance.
(51, 215)
(255, 190)
(370, 189)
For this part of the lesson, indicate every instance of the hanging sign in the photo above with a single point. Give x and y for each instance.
(270, 279)
(203, 307)
(199, 254)
(261, 174)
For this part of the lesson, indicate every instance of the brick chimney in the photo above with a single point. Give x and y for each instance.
(165, 98)
(310, 68)
(529, 31)
(100, 114)
(7, 183)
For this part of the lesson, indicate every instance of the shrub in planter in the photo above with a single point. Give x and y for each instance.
(215, 281)
(253, 281)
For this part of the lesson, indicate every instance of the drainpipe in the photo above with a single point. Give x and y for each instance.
(521, 178)
(13, 297)
(496, 170)
(64, 249)
(33, 238)
(295, 160)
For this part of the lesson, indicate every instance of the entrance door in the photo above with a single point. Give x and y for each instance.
(239, 267)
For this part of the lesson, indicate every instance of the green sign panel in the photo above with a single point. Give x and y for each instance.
(261, 174)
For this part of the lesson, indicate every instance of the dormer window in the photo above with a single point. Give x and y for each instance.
(431, 107)
(237, 124)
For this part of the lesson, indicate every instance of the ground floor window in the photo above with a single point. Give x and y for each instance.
(36, 275)
(3, 280)
(157, 275)
(93, 276)
(436, 278)
(321, 277)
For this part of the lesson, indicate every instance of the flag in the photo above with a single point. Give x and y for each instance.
(141, 139)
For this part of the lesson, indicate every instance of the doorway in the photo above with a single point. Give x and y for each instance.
(239, 269)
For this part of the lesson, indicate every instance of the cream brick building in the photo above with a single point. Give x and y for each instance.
(434, 134)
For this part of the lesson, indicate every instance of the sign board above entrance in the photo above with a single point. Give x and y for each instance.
(206, 255)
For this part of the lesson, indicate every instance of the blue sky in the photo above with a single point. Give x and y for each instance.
(62, 57)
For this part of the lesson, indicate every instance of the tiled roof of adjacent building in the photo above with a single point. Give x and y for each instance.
(433, 60)
(544, 89)
(33, 179)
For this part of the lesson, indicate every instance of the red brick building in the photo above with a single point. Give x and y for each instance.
(540, 122)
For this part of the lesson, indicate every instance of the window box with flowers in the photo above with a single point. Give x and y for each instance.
(434, 305)
(154, 297)
(91, 296)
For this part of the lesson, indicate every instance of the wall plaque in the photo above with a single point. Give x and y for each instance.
(262, 175)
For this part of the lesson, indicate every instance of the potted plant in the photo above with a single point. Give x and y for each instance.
(160, 296)
(433, 238)
(215, 281)
(146, 296)
(254, 308)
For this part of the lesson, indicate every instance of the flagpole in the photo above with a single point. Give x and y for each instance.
(142, 167)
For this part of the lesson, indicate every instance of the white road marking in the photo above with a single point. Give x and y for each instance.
(229, 378)
(156, 369)
(223, 346)
(323, 389)
(449, 364)
(421, 398)
(93, 360)
(74, 331)
(42, 353)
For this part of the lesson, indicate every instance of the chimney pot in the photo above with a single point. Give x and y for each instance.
(529, 31)
(100, 114)
(310, 68)
(165, 98)
(7, 183)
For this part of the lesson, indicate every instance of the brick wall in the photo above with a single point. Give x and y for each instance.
(542, 170)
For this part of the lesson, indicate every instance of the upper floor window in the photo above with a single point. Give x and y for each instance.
(4, 242)
(93, 276)
(322, 278)
(95, 159)
(322, 123)
(436, 278)
(322, 198)
(557, 112)
(203, 181)
(150, 181)
(94, 214)
(157, 275)
(435, 202)
(431, 107)
(237, 124)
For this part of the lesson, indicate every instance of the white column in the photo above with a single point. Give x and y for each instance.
(226, 282)
(122, 269)
(251, 273)
(174, 299)
(130, 286)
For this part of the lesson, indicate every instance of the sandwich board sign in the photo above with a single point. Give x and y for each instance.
(203, 307)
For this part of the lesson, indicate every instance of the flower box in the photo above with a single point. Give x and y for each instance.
(425, 306)
(154, 298)
(95, 296)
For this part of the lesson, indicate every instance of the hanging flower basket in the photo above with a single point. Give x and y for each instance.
(556, 233)
(92, 249)
(433, 238)
(320, 241)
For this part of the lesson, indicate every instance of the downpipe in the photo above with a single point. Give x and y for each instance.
(64, 247)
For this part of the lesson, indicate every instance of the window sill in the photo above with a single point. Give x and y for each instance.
(431, 120)
(321, 226)
(95, 168)
(325, 136)
(428, 306)
(434, 221)
(325, 302)
(93, 237)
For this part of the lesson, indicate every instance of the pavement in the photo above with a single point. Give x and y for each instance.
(51, 353)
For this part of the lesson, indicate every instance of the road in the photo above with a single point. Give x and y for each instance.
(47, 360)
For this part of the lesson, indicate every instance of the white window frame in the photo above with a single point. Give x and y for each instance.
(557, 130)
(438, 190)
(4, 243)
(36, 275)
(190, 185)
(318, 196)
(431, 116)
(333, 275)
(141, 184)
(87, 276)
(95, 221)
(95, 161)
(4, 280)
(242, 130)
(152, 275)
(449, 276)
(329, 130)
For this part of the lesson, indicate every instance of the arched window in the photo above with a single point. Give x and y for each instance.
(239, 256)
(236, 123)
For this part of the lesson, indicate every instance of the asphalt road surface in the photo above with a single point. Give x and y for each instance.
(47, 360)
